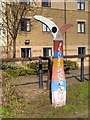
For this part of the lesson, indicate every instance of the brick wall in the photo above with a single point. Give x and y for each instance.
(40, 40)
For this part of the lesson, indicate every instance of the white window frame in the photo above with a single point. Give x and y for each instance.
(81, 27)
(45, 28)
(46, 3)
(81, 50)
(30, 52)
(81, 5)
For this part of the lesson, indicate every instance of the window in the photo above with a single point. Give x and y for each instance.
(25, 2)
(25, 24)
(81, 50)
(25, 52)
(81, 27)
(47, 52)
(45, 28)
(46, 3)
(81, 5)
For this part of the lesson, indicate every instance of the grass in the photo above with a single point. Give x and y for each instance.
(39, 106)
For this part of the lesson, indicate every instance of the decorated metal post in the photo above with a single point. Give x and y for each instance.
(58, 84)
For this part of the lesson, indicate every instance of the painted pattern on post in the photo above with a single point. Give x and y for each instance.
(58, 85)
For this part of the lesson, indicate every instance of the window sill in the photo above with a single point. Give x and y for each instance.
(81, 33)
(81, 9)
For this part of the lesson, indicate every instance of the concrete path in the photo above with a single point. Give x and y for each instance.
(31, 82)
(75, 76)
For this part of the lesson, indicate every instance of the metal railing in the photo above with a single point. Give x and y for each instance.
(49, 70)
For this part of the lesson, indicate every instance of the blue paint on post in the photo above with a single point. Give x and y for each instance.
(58, 55)
(58, 85)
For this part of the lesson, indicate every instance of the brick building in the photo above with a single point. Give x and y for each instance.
(34, 39)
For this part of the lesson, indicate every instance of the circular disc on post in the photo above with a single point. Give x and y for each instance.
(54, 29)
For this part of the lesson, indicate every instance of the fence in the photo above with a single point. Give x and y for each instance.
(49, 70)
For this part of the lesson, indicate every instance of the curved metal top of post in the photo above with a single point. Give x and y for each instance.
(52, 26)
(57, 33)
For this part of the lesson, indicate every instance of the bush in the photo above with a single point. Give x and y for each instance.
(31, 71)
(32, 65)
(12, 72)
(22, 72)
(9, 65)
(15, 70)
(10, 98)
(32, 68)
(72, 64)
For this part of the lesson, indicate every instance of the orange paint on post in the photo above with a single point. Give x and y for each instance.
(58, 62)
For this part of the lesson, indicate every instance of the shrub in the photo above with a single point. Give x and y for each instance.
(32, 68)
(22, 72)
(10, 98)
(9, 65)
(72, 64)
(32, 65)
(31, 71)
(12, 72)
